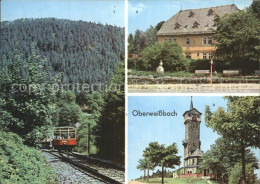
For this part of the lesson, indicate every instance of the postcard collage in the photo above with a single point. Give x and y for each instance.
(129, 91)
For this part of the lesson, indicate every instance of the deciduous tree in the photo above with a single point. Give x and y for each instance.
(27, 97)
(159, 155)
(222, 157)
(169, 52)
(237, 40)
(239, 124)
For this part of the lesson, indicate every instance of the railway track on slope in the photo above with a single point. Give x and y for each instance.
(102, 172)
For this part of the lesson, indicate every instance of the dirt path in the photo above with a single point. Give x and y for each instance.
(208, 181)
(134, 182)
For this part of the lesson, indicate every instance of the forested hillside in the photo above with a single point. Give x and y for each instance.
(84, 52)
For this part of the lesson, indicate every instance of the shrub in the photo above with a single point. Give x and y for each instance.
(204, 64)
(20, 164)
(169, 52)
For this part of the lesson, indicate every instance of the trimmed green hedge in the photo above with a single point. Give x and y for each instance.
(20, 164)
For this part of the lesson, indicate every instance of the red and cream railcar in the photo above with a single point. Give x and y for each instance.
(64, 138)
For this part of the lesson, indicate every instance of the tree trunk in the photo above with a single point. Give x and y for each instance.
(88, 139)
(162, 175)
(147, 174)
(144, 173)
(243, 165)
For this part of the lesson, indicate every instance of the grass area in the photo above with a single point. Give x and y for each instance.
(177, 181)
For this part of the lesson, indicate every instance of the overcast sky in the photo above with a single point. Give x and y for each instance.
(103, 11)
(143, 13)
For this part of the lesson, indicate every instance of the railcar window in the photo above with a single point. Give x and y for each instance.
(72, 135)
(64, 133)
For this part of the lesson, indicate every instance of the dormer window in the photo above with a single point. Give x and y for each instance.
(195, 24)
(210, 12)
(191, 14)
(177, 26)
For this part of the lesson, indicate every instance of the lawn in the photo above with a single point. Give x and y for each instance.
(176, 181)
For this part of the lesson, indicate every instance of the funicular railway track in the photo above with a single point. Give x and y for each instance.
(106, 173)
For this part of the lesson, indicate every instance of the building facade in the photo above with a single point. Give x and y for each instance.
(193, 30)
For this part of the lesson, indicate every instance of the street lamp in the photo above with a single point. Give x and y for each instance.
(211, 63)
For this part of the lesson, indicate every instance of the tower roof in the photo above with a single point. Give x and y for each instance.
(192, 109)
(191, 103)
(197, 153)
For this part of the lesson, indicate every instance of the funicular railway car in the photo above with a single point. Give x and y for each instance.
(64, 138)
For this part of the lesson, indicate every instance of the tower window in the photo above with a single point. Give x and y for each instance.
(188, 41)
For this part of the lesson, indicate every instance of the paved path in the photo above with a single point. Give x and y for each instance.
(134, 182)
(195, 88)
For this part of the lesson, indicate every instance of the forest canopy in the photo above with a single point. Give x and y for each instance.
(84, 52)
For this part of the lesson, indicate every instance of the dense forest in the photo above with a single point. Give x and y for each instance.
(41, 53)
(84, 52)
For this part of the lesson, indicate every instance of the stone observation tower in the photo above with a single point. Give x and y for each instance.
(191, 143)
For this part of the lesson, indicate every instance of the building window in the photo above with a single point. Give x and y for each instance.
(195, 24)
(198, 54)
(177, 25)
(210, 56)
(210, 12)
(170, 39)
(204, 40)
(210, 40)
(204, 55)
(188, 55)
(188, 41)
(191, 14)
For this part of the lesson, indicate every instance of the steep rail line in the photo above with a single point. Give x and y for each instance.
(96, 171)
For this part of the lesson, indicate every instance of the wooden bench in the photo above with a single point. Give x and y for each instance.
(202, 71)
(257, 72)
(230, 72)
